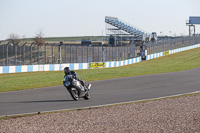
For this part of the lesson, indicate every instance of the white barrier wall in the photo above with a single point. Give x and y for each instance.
(58, 67)
(156, 55)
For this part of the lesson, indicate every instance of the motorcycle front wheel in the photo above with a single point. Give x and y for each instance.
(74, 93)
(87, 96)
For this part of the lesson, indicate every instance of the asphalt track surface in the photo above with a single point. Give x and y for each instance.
(102, 92)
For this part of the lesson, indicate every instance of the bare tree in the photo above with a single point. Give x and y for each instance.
(38, 39)
(13, 38)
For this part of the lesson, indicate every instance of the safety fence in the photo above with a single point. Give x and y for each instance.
(59, 53)
(79, 66)
(171, 44)
(160, 54)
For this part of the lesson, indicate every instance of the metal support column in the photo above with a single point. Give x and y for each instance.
(70, 53)
(23, 52)
(31, 52)
(38, 53)
(82, 53)
(76, 54)
(109, 53)
(93, 55)
(7, 54)
(16, 53)
(52, 54)
(59, 52)
(127, 52)
(3, 55)
(102, 51)
(46, 53)
(87, 54)
(65, 54)
(118, 53)
(112, 53)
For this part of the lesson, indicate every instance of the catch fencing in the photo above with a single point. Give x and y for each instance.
(60, 53)
(57, 53)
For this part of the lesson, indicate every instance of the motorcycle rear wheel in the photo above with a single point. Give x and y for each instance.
(74, 93)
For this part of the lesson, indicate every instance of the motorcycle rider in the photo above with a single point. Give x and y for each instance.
(73, 73)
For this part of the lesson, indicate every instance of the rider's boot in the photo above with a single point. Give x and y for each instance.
(87, 88)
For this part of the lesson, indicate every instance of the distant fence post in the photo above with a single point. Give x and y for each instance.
(23, 52)
(134, 50)
(109, 53)
(65, 54)
(38, 53)
(52, 54)
(76, 54)
(59, 52)
(112, 53)
(3, 55)
(82, 53)
(70, 53)
(102, 51)
(45, 48)
(7, 54)
(93, 55)
(106, 58)
(127, 52)
(118, 56)
(116, 53)
(31, 52)
(124, 52)
(15, 45)
(87, 54)
(98, 54)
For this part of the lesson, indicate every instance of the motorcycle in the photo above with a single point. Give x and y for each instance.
(76, 87)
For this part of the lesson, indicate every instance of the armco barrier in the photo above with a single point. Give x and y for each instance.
(58, 67)
(156, 55)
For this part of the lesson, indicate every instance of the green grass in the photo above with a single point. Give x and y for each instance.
(171, 63)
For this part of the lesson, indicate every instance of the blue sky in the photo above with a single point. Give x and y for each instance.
(61, 18)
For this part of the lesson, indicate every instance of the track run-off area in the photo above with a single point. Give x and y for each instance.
(102, 92)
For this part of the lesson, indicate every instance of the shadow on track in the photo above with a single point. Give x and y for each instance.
(46, 101)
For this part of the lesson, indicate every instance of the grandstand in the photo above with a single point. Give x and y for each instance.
(119, 28)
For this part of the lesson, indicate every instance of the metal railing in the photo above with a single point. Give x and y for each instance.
(171, 43)
(56, 53)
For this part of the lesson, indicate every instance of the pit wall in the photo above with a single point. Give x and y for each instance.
(160, 54)
(79, 66)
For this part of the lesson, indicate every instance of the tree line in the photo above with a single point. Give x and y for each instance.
(14, 38)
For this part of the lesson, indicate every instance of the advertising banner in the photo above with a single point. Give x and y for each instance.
(97, 65)
(165, 53)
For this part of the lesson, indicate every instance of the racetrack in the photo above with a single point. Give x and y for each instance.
(102, 92)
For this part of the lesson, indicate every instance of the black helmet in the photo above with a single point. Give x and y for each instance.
(66, 70)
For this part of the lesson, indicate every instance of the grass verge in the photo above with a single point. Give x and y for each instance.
(171, 63)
